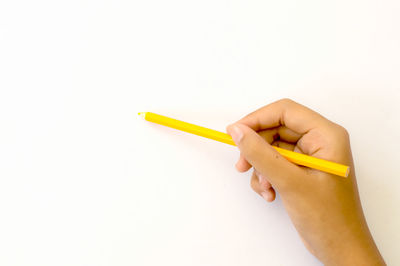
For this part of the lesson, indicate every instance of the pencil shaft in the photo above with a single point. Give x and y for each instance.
(295, 157)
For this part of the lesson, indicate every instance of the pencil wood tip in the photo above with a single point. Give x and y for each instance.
(142, 114)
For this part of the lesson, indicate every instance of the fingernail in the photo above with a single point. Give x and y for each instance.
(265, 195)
(236, 133)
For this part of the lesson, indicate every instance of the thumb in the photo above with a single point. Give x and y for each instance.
(262, 156)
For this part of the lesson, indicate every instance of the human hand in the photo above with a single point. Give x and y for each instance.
(324, 208)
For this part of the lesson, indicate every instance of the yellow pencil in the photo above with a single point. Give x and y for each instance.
(295, 157)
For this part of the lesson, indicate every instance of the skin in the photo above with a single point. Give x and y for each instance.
(324, 208)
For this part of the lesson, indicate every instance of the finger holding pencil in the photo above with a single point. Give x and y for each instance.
(295, 157)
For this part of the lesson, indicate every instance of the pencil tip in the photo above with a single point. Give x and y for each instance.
(142, 114)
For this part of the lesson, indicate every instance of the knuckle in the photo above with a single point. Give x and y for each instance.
(286, 101)
(343, 132)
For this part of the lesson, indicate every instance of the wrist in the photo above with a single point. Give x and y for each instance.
(357, 249)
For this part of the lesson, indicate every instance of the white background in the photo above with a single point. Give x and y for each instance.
(84, 181)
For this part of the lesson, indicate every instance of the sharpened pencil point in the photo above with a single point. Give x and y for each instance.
(142, 114)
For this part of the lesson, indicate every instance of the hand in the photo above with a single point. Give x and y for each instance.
(324, 208)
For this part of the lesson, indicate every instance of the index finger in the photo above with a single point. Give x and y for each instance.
(287, 113)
